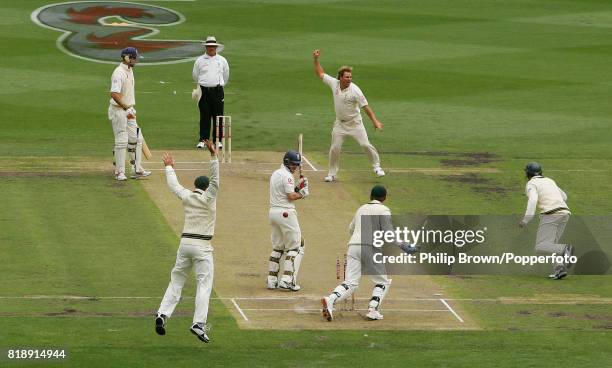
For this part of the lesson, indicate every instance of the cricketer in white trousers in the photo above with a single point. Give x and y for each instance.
(543, 193)
(357, 131)
(195, 248)
(355, 246)
(286, 235)
(128, 136)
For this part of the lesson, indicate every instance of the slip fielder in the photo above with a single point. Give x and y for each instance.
(195, 249)
(544, 193)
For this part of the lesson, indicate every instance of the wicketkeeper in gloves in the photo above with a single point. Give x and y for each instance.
(544, 194)
(195, 249)
(380, 217)
(122, 115)
(287, 242)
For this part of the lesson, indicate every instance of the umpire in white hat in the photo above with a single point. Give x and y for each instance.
(211, 74)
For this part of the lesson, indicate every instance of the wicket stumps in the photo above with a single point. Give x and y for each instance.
(223, 127)
(341, 263)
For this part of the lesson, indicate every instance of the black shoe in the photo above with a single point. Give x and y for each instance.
(569, 252)
(160, 324)
(200, 332)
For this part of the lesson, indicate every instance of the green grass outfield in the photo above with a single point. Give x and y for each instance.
(512, 81)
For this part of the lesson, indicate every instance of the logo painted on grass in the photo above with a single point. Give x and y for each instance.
(98, 30)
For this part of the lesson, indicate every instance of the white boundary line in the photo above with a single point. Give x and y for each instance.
(451, 310)
(239, 310)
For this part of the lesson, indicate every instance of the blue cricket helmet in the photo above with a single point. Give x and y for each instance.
(129, 51)
(533, 169)
(292, 157)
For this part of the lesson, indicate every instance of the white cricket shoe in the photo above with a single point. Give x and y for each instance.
(328, 309)
(199, 330)
(558, 274)
(379, 172)
(200, 145)
(272, 285)
(373, 314)
(220, 145)
(330, 178)
(141, 174)
(121, 177)
(284, 285)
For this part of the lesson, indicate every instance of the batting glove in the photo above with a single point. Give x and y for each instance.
(303, 182)
(304, 192)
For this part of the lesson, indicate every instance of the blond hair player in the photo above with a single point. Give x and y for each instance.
(348, 99)
(543, 192)
(195, 249)
(122, 115)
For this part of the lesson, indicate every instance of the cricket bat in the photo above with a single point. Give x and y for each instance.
(146, 151)
(300, 150)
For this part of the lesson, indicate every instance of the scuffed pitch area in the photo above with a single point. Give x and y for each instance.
(242, 248)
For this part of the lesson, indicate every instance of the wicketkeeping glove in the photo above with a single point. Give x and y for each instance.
(409, 248)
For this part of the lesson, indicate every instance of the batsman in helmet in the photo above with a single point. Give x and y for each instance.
(544, 194)
(122, 114)
(287, 242)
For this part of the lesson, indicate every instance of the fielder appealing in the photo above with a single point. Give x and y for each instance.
(195, 249)
(122, 115)
(286, 234)
(353, 267)
(348, 99)
(554, 214)
(211, 74)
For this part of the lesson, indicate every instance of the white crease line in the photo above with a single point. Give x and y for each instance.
(239, 310)
(451, 310)
(191, 162)
(308, 162)
(307, 298)
(297, 309)
(200, 169)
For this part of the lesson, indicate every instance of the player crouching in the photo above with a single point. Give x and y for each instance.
(353, 270)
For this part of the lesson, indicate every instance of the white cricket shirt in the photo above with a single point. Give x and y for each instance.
(372, 208)
(211, 71)
(281, 184)
(122, 82)
(200, 207)
(544, 193)
(347, 102)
